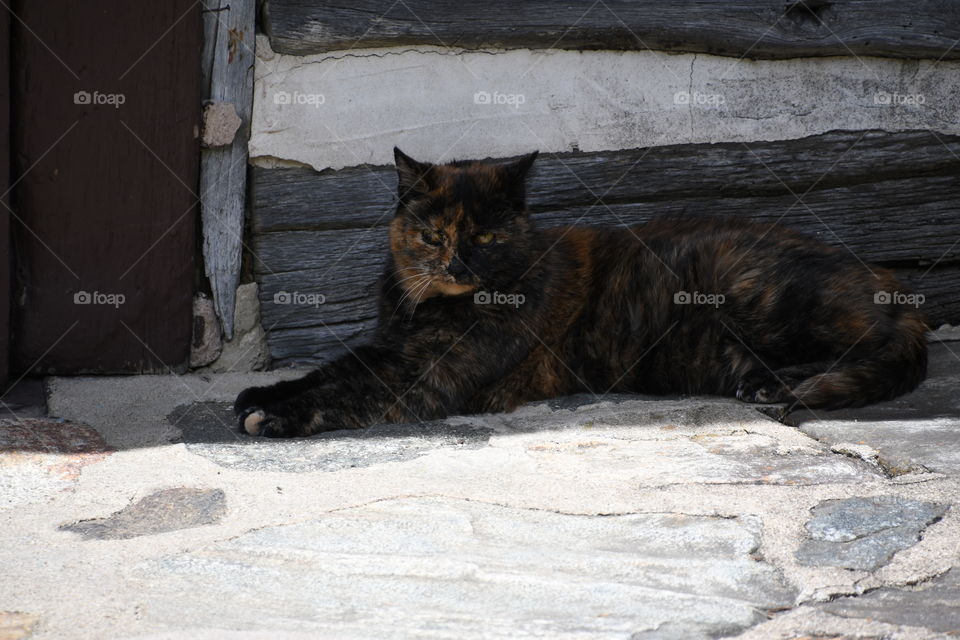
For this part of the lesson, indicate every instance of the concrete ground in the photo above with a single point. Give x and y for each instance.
(134, 510)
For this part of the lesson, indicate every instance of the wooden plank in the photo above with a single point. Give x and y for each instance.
(292, 345)
(773, 29)
(315, 345)
(889, 198)
(5, 246)
(939, 287)
(228, 58)
(107, 189)
(911, 220)
(288, 199)
(341, 265)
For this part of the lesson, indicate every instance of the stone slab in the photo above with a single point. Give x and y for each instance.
(933, 605)
(583, 517)
(664, 441)
(159, 512)
(40, 457)
(444, 568)
(864, 533)
(210, 431)
(131, 411)
(918, 431)
(683, 441)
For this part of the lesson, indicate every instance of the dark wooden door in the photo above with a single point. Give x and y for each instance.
(105, 110)
(5, 257)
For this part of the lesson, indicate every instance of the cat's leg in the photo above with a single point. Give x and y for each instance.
(343, 395)
(255, 398)
(324, 407)
(750, 379)
(378, 382)
(765, 386)
(288, 415)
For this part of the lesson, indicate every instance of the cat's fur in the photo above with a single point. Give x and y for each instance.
(595, 309)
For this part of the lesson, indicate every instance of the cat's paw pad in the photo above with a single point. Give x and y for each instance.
(268, 423)
(254, 421)
(762, 388)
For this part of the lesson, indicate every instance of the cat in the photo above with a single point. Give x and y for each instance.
(480, 311)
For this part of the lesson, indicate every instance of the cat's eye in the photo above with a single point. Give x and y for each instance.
(432, 237)
(483, 238)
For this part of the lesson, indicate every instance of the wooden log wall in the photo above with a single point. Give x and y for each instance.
(771, 29)
(891, 198)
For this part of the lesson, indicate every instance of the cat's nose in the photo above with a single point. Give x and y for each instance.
(456, 268)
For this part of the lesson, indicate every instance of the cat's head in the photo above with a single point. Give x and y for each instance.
(460, 227)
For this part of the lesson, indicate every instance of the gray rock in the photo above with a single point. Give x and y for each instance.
(167, 510)
(247, 351)
(220, 124)
(446, 568)
(934, 605)
(246, 313)
(209, 430)
(864, 533)
(206, 344)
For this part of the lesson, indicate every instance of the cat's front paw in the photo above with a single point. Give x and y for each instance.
(258, 415)
(762, 387)
(259, 422)
(250, 399)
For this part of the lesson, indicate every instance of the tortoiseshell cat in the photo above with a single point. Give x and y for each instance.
(480, 311)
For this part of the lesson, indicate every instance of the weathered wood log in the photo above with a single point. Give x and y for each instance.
(772, 29)
(940, 287)
(361, 196)
(228, 57)
(888, 198)
(293, 345)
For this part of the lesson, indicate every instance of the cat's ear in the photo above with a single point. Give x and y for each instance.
(412, 176)
(518, 168)
(514, 177)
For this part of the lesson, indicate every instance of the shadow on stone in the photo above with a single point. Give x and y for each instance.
(207, 432)
(916, 432)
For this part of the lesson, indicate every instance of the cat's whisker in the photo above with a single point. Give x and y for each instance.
(423, 288)
(421, 273)
(415, 287)
(409, 290)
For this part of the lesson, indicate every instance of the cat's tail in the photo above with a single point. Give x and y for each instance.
(894, 369)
